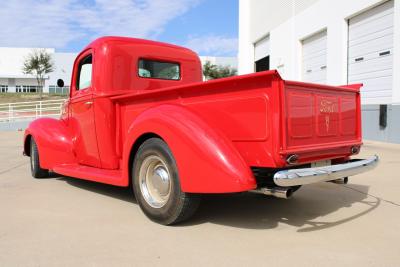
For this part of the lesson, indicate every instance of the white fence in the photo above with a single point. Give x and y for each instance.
(30, 110)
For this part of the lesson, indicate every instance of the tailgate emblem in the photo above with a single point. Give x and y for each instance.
(327, 107)
(327, 122)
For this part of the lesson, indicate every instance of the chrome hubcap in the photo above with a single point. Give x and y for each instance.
(155, 182)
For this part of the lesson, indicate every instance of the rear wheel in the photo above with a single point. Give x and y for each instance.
(36, 170)
(156, 184)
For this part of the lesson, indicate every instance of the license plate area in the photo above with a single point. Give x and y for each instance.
(321, 163)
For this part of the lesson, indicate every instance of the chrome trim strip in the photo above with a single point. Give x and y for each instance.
(304, 176)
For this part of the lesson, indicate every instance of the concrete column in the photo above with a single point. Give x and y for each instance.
(337, 32)
(246, 49)
(11, 85)
(46, 84)
(396, 55)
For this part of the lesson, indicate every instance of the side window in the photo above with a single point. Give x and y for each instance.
(84, 73)
(159, 70)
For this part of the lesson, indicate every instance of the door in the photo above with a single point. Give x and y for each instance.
(370, 53)
(261, 55)
(314, 58)
(82, 113)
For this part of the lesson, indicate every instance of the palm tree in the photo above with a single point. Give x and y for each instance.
(38, 63)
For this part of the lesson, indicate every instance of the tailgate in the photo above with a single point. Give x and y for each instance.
(319, 117)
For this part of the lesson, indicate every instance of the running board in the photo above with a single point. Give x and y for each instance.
(113, 177)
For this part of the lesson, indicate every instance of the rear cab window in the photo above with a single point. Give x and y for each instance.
(159, 70)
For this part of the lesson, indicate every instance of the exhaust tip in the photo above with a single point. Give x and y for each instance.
(354, 149)
(279, 192)
(289, 193)
(292, 159)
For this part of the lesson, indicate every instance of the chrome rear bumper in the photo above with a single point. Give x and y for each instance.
(304, 176)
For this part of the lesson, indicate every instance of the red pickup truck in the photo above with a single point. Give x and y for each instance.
(140, 115)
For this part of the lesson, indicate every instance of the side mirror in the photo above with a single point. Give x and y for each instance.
(60, 83)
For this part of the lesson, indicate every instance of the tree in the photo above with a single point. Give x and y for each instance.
(212, 71)
(38, 63)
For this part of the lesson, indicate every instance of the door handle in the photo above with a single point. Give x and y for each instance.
(89, 103)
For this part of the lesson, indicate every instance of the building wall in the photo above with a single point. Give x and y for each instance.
(258, 18)
(11, 64)
(287, 23)
(26, 81)
(63, 63)
(286, 36)
(372, 130)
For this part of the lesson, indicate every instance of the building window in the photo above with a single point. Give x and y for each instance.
(27, 88)
(3, 88)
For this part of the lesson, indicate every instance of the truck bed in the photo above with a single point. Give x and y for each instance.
(265, 117)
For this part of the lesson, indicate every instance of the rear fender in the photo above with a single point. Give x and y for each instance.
(53, 141)
(207, 161)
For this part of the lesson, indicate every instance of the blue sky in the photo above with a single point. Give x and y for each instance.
(206, 26)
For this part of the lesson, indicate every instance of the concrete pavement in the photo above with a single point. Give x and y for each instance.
(68, 222)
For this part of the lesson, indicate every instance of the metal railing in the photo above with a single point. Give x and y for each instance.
(30, 110)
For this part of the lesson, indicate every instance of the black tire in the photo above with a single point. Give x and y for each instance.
(178, 206)
(36, 170)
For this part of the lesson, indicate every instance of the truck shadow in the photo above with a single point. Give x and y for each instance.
(122, 193)
(312, 208)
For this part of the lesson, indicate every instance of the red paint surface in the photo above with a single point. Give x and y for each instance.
(216, 130)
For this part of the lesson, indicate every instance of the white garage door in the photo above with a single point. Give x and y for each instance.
(261, 49)
(261, 55)
(370, 53)
(314, 58)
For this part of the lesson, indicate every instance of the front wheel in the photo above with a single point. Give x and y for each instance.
(156, 184)
(36, 170)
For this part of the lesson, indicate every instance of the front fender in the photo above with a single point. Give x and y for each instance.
(207, 161)
(53, 141)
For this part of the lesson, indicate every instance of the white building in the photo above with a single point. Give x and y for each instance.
(63, 63)
(12, 78)
(333, 42)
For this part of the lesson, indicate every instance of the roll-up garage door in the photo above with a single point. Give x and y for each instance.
(370, 53)
(261, 54)
(314, 58)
